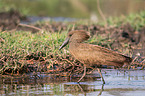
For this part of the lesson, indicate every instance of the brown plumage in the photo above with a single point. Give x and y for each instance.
(90, 54)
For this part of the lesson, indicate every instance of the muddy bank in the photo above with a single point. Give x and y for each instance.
(10, 20)
(123, 38)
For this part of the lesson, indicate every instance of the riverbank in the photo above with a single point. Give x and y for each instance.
(27, 48)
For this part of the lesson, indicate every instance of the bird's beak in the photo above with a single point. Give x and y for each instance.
(64, 43)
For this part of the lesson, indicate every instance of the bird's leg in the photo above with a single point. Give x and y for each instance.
(101, 75)
(83, 74)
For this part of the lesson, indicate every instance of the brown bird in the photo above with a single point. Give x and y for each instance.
(90, 54)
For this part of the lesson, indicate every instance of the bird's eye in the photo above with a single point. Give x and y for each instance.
(70, 35)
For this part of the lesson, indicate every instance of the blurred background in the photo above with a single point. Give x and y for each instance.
(73, 8)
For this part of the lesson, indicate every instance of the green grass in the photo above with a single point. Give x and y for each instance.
(26, 42)
(136, 20)
(17, 45)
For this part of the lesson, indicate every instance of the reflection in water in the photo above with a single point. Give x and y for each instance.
(102, 89)
(118, 83)
(84, 91)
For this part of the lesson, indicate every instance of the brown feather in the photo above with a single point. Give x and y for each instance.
(93, 54)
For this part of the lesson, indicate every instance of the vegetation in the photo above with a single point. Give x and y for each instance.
(137, 21)
(17, 45)
(71, 8)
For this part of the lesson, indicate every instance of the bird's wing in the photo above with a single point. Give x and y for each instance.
(95, 53)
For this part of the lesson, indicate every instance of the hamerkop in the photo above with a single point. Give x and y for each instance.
(90, 54)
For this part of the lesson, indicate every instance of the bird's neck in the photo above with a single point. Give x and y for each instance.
(74, 44)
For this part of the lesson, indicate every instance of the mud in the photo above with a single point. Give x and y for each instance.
(10, 20)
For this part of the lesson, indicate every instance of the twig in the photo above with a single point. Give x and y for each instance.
(70, 63)
(143, 64)
(30, 26)
(134, 60)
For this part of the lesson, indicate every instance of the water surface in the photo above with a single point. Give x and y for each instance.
(118, 83)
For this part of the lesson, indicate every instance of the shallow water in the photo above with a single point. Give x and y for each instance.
(118, 83)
